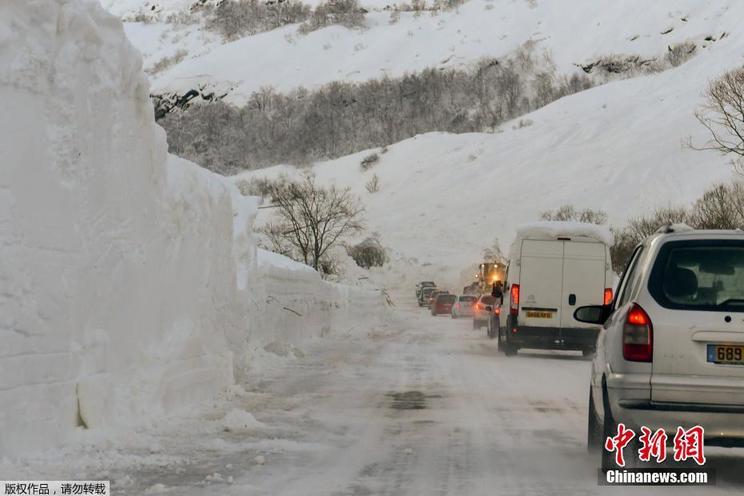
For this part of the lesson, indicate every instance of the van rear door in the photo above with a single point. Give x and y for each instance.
(540, 283)
(584, 271)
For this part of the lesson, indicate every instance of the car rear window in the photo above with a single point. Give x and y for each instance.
(428, 291)
(469, 299)
(446, 298)
(703, 275)
(488, 300)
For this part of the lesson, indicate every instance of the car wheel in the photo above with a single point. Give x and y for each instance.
(594, 439)
(491, 332)
(609, 429)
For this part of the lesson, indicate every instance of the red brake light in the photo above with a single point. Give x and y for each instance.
(607, 296)
(514, 299)
(497, 310)
(638, 339)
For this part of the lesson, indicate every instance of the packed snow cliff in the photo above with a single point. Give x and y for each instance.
(130, 284)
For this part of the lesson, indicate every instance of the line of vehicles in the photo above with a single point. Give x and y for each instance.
(667, 336)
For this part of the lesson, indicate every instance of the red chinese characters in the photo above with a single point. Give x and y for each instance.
(688, 444)
(619, 442)
(653, 445)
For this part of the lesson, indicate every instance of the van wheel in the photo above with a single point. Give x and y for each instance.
(493, 328)
(509, 348)
(594, 428)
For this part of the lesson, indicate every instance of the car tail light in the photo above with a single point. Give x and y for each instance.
(497, 310)
(607, 296)
(479, 306)
(638, 338)
(514, 299)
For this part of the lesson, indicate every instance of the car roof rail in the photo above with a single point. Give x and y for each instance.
(674, 227)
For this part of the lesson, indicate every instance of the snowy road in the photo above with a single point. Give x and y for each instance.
(420, 406)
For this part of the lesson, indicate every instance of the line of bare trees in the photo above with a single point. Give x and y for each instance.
(720, 207)
(340, 118)
(237, 18)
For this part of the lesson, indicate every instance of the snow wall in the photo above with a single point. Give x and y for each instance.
(129, 280)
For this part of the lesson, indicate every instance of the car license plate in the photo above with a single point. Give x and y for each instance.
(539, 315)
(726, 353)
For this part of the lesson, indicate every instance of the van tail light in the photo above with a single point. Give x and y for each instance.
(638, 337)
(514, 300)
(607, 296)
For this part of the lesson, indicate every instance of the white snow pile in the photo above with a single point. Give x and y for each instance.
(550, 229)
(129, 277)
(237, 420)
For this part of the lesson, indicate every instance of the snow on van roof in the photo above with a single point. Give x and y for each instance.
(554, 229)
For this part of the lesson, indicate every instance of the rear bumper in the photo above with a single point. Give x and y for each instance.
(723, 424)
(554, 338)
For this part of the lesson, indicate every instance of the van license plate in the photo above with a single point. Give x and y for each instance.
(540, 315)
(726, 353)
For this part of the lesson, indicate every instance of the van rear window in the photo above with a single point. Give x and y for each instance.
(703, 275)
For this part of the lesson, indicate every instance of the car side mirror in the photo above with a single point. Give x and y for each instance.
(592, 314)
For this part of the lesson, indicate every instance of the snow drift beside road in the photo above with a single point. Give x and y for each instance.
(130, 285)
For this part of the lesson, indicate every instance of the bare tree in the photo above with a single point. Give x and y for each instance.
(310, 220)
(640, 228)
(723, 116)
(569, 213)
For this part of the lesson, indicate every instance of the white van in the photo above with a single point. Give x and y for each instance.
(554, 268)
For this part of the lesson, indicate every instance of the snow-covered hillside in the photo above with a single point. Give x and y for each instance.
(618, 147)
(570, 33)
(443, 198)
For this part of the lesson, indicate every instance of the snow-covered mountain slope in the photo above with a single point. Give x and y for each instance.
(617, 147)
(571, 33)
(444, 198)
